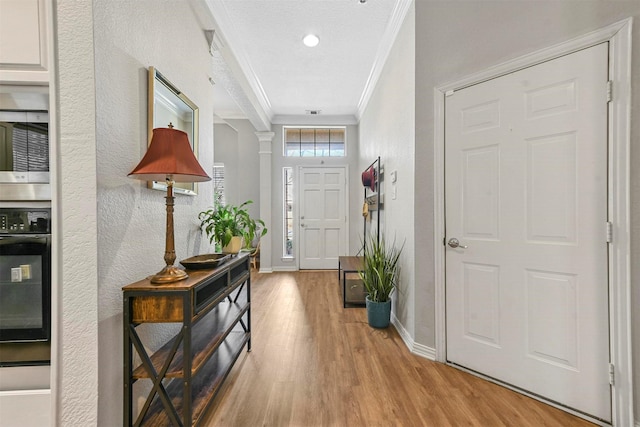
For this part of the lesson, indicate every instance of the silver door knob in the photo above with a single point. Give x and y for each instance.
(455, 243)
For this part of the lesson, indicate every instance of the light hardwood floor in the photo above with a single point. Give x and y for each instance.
(314, 363)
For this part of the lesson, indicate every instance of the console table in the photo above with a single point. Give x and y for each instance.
(354, 293)
(185, 374)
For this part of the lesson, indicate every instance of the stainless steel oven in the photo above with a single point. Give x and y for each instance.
(25, 286)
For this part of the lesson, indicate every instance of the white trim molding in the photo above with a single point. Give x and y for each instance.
(309, 120)
(388, 39)
(264, 150)
(618, 35)
(424, 351)
(284, 269)
(235, 55)
(619, 215)
(414, 347)
(231, 68)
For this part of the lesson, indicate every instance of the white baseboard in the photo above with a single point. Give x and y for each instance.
(414, 347)
(285, 269)
(408, 341)
(265, 270)
(424, 351)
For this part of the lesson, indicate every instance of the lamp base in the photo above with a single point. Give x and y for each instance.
(169, 274)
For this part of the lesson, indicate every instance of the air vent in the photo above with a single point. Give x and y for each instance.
(314, 112)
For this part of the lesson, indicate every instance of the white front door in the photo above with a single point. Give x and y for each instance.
(526, 197)
(322, 216)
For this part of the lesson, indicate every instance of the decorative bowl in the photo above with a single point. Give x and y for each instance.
(205, 261)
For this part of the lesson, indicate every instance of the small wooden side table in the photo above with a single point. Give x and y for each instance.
(354, 294)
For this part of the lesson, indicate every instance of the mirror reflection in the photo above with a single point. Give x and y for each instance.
(168, 106)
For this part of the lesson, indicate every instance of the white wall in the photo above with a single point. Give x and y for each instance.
(129, 37)
(248, 168)
(236, 145)
(456, 39)
(387, 130)
(226, 151)
(75, 327)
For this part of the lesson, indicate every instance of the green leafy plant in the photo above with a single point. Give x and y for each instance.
(222, 222)
(380, 269)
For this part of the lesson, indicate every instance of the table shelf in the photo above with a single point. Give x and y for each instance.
(353, 293)
(206, 336)
(187, 371)
(203, 388)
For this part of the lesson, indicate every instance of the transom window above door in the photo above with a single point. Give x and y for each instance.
(314, 142)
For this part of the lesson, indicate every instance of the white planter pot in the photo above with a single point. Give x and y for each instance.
(234, 245)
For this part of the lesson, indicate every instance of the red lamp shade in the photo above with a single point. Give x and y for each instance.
(169, 156)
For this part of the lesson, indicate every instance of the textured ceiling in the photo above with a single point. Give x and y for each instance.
(287, 78)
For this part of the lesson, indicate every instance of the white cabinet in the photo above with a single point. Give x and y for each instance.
(24, 41)
(25, 408)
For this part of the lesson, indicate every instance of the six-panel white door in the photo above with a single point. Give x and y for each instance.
(526, 193)
(323, 236)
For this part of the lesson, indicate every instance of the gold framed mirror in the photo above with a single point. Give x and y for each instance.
(168, 106)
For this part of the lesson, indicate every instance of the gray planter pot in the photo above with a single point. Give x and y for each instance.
(378, 313)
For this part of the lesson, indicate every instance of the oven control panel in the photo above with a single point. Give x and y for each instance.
(25, 221)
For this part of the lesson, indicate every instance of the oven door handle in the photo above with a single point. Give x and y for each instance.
(24, 236)
(24, 239)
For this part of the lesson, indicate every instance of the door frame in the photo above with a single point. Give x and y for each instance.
(296, 214)
(619, 37)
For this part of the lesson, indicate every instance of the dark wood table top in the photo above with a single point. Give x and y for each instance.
(351, 263)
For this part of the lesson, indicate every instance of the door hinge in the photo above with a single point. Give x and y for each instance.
(609, 231)
(609, 90)
(612, 374)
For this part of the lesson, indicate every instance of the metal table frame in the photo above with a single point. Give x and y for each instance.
(348, 264)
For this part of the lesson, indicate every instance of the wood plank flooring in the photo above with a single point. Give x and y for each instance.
(314, 363)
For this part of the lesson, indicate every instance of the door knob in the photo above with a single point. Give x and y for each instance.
(455, 243)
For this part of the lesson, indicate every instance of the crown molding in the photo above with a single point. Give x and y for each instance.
(316, 120)
(386, 44)
(226, 78)
(227, 70)
(233, 49)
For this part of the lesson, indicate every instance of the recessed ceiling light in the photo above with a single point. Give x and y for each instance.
(311, 40)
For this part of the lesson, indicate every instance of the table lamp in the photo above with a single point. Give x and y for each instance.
(169, 158)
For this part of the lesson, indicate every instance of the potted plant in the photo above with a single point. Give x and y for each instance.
(230, 225)
(379, 276)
